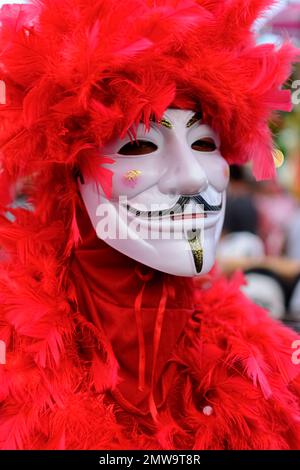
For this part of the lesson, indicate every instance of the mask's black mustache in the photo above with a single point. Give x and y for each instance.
(207, 207)
(178, 208)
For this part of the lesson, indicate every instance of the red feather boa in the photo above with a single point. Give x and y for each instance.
(71, 378)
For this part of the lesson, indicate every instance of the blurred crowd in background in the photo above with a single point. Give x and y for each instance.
(262, 226)
(261, 234)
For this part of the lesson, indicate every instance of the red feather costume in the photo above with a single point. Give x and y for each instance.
(74, 313)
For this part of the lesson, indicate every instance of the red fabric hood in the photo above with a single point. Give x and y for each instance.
(142, 312)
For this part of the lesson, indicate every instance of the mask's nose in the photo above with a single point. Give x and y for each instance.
(184, 174)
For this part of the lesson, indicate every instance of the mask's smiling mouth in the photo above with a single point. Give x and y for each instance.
(178, 211)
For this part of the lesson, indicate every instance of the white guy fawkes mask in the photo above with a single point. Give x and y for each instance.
(168, 195)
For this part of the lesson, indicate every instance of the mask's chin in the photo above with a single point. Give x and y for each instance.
(191, 255)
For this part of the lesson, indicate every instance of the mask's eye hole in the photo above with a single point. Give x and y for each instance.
(206, 144)
(138, 147)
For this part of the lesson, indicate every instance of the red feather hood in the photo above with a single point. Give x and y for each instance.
(78, 73)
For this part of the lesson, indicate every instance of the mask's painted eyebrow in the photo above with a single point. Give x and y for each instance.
(196, 118)
(163, 122)
(166, 123)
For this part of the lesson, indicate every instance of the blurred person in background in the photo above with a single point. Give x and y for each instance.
(241, 212)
